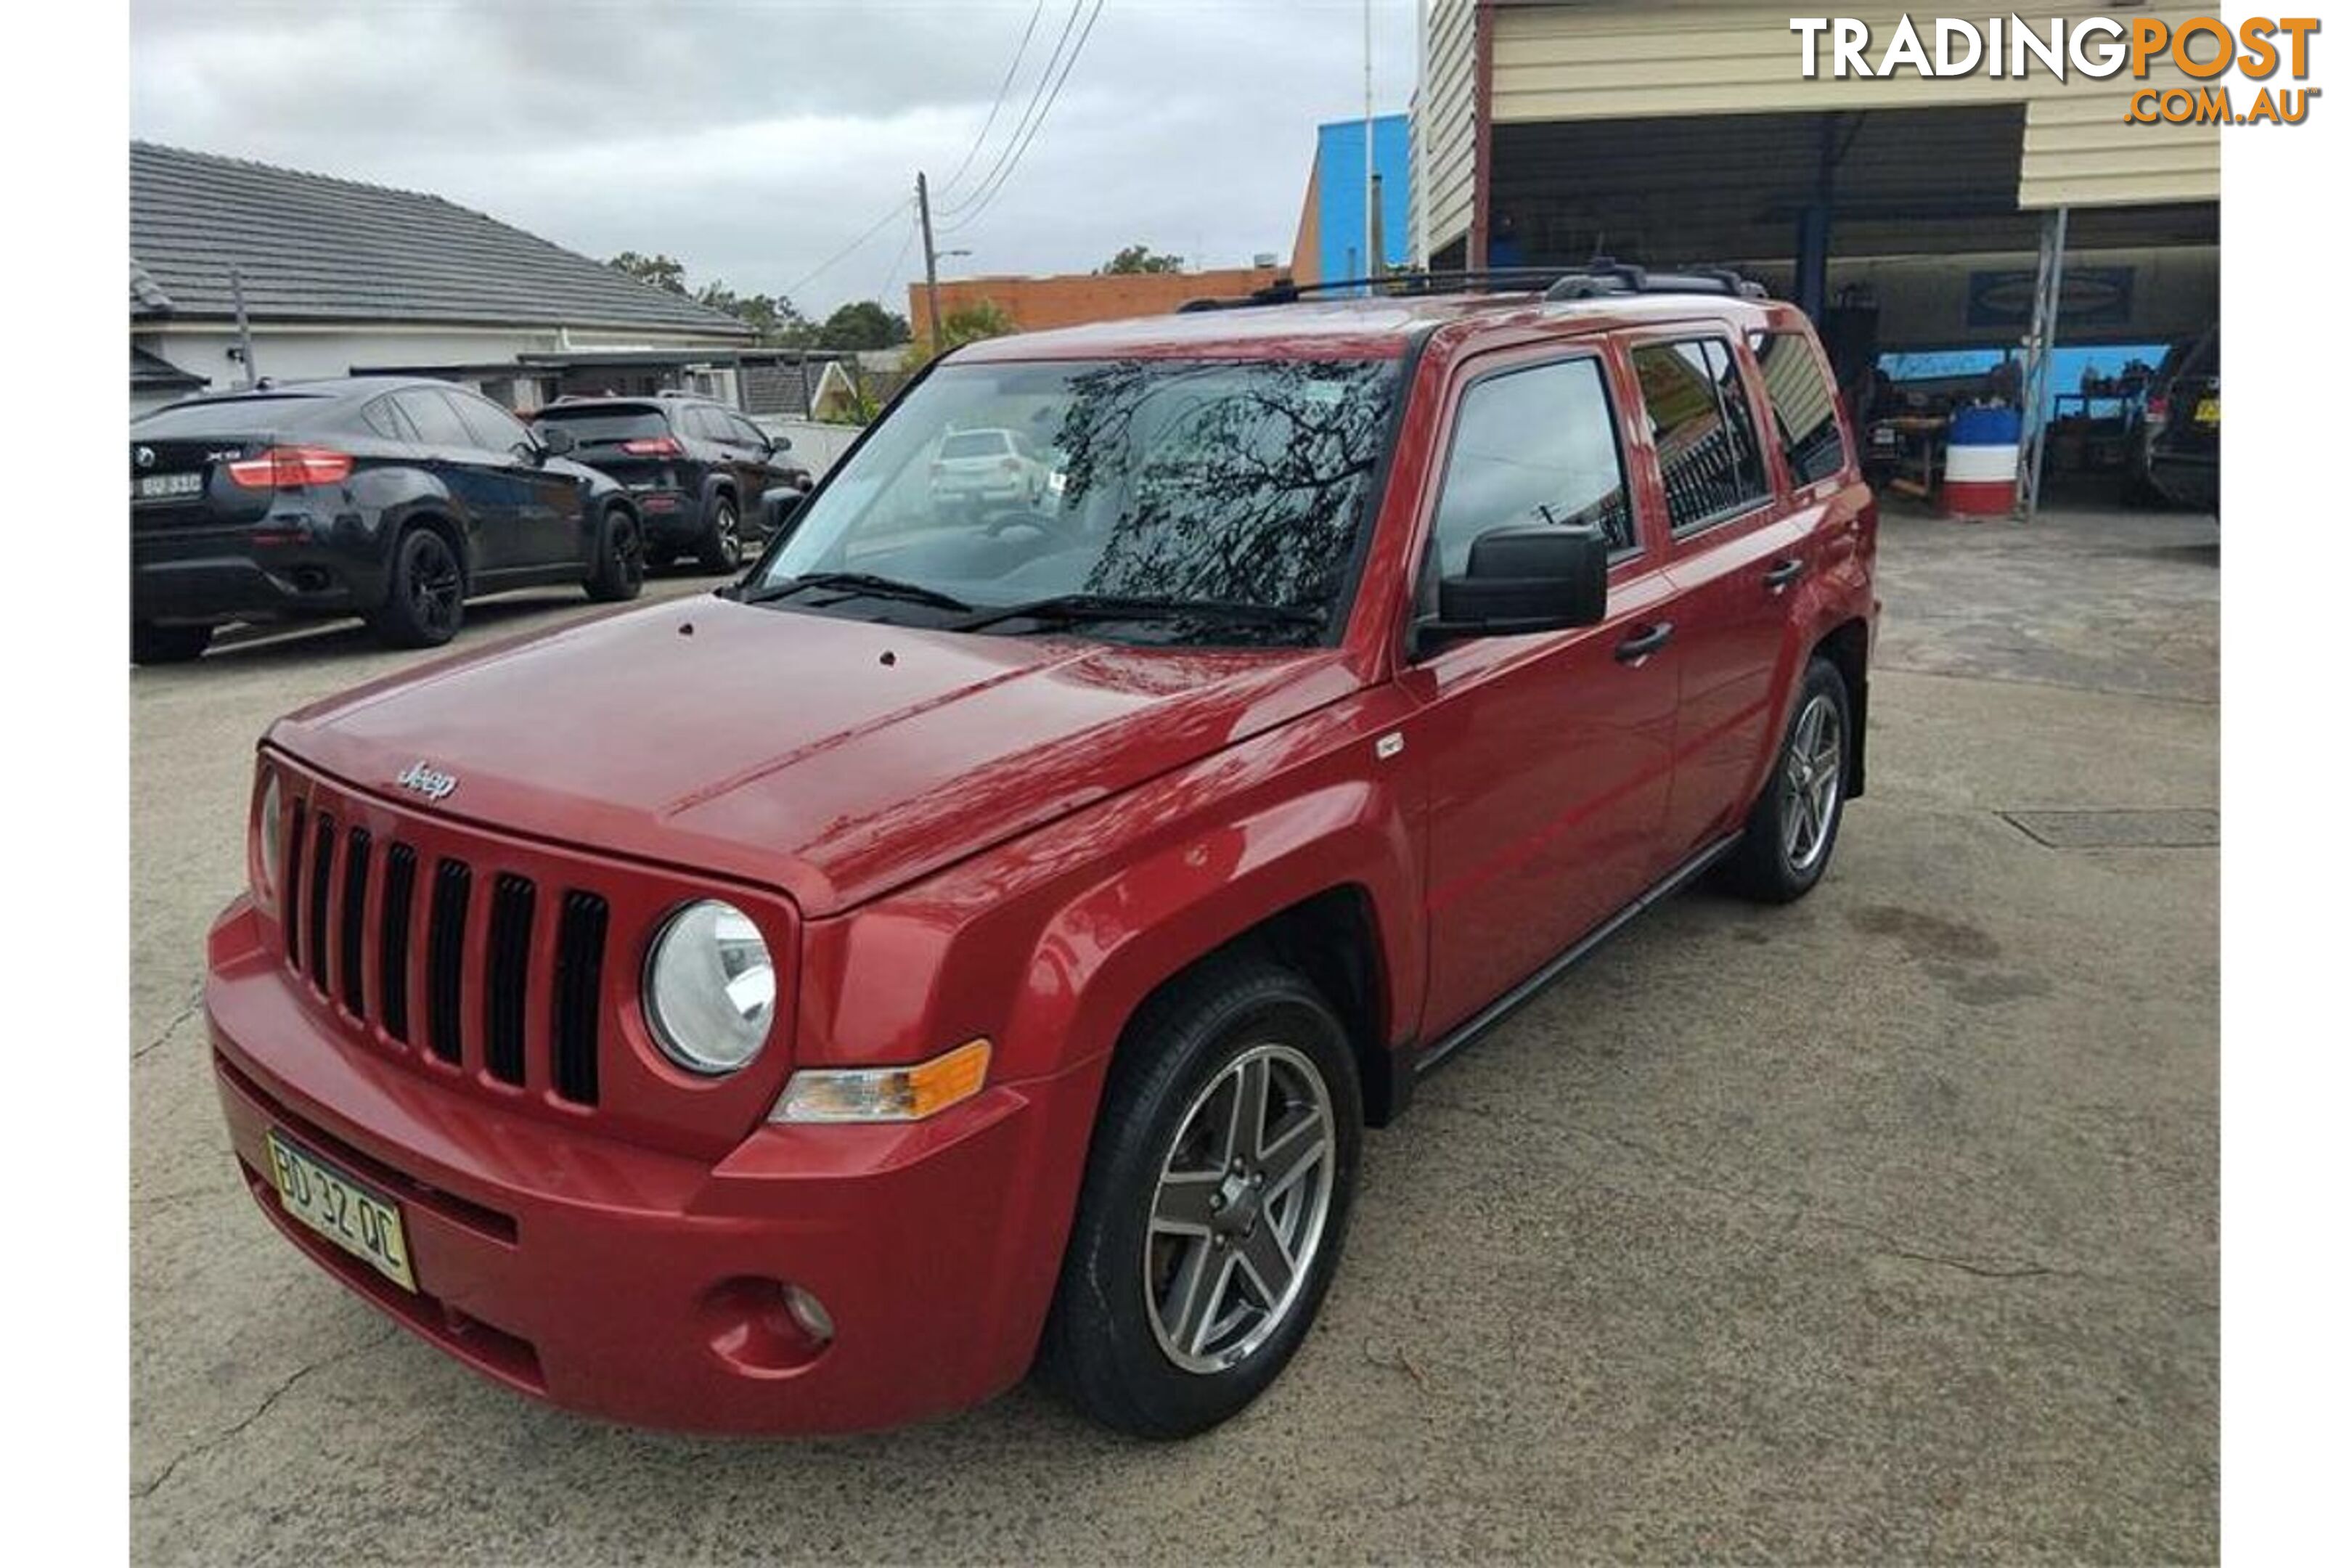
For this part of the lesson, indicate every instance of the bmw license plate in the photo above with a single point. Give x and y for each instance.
(2208, 411)
(165, 487)
(357, 1218)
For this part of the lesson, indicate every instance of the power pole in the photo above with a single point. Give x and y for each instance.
(931, 258)
(1374, 254)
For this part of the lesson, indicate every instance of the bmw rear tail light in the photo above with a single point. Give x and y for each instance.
(290, 467)
(654, 446)
(2159, 409)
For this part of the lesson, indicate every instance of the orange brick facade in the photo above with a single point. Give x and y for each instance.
(1074, 298)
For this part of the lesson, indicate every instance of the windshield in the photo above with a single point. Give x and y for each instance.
(1227, 483)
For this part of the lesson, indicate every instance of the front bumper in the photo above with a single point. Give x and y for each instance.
(645, 1287)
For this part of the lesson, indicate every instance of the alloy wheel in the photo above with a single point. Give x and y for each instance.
(1239, 1210)
(1814, 772)
(436, 587)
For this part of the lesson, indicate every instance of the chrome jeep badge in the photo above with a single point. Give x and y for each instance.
(428, 780)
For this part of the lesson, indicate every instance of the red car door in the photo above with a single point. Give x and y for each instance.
(1547, 756)
(1734, 552)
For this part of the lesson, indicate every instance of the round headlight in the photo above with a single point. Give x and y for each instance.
(270, 828)
(711, 988)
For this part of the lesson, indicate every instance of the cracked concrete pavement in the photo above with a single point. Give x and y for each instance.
(1880, 1227)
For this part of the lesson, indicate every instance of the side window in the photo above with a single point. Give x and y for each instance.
(1804, 406)
(744, 433)
(436, 423)
(705, 425)
(383, 417)
(494, 429)
(1534, 446)
(1699, 423)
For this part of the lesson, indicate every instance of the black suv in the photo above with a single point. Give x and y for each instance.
(2175, 453)
(696, 469)
(388, 497)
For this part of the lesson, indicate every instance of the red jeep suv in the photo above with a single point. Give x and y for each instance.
(987, 934)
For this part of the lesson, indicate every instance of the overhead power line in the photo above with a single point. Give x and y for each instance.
(827, 265)
(972, 206)
(1002, 88)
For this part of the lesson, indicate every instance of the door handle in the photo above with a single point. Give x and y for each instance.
(1642, 641)
(1784, 572)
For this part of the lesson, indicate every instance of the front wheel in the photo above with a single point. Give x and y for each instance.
(1793, 829)
(1216, 1199)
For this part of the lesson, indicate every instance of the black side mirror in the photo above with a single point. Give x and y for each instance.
(555, 441)
(1527, 578)
(780, 443)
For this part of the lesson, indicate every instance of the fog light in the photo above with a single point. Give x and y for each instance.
(809, 1313)
(764, 1327)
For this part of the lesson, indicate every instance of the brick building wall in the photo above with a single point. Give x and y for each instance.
(1071, 299)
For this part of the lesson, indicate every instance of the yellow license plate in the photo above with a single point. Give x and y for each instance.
(359, 1219)
(2208, 411)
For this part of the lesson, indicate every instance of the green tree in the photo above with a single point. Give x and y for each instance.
(1140, 258)
(770, 315)
(862, 324)
(967, 324)
(664, 272)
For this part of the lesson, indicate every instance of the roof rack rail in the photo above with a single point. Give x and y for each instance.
(1598, 277)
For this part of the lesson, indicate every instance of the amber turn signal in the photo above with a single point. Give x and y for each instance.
(885, 1094)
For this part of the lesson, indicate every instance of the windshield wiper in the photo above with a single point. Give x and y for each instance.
(864, 583)
(1069, 607)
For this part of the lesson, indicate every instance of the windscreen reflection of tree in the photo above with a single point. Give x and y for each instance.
(1240, 483)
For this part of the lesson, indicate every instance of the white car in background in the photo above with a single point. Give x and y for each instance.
(991, 466)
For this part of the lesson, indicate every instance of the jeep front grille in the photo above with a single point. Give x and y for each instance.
(334, 901)
(503, 967)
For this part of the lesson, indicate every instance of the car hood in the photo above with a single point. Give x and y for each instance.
(833, 758)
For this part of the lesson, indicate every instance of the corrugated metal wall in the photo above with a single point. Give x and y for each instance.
(1610, 60)
(1442, 114)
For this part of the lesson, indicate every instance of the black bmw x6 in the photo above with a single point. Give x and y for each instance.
(390, 498)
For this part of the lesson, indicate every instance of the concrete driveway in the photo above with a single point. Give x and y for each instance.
(1883, 1227)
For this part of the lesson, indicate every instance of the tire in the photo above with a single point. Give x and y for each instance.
(619, 570)
(151, 643)
(1793, 829)
(1118, 1342)
(424, 600)
(721, 549)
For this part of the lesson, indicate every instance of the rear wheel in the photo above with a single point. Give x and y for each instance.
(619, 572)
(722, 542)
(1793, 829)
(1216, 1199)
(425, 603)
(151, 643)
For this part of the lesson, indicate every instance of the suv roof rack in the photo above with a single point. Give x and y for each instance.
(1601, 276)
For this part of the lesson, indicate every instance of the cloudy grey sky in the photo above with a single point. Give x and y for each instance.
(754, 138)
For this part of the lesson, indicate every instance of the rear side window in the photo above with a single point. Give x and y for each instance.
(1699, 423)
(383, 417)
(1534, 446)
(436, 423)
(1804, 406)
